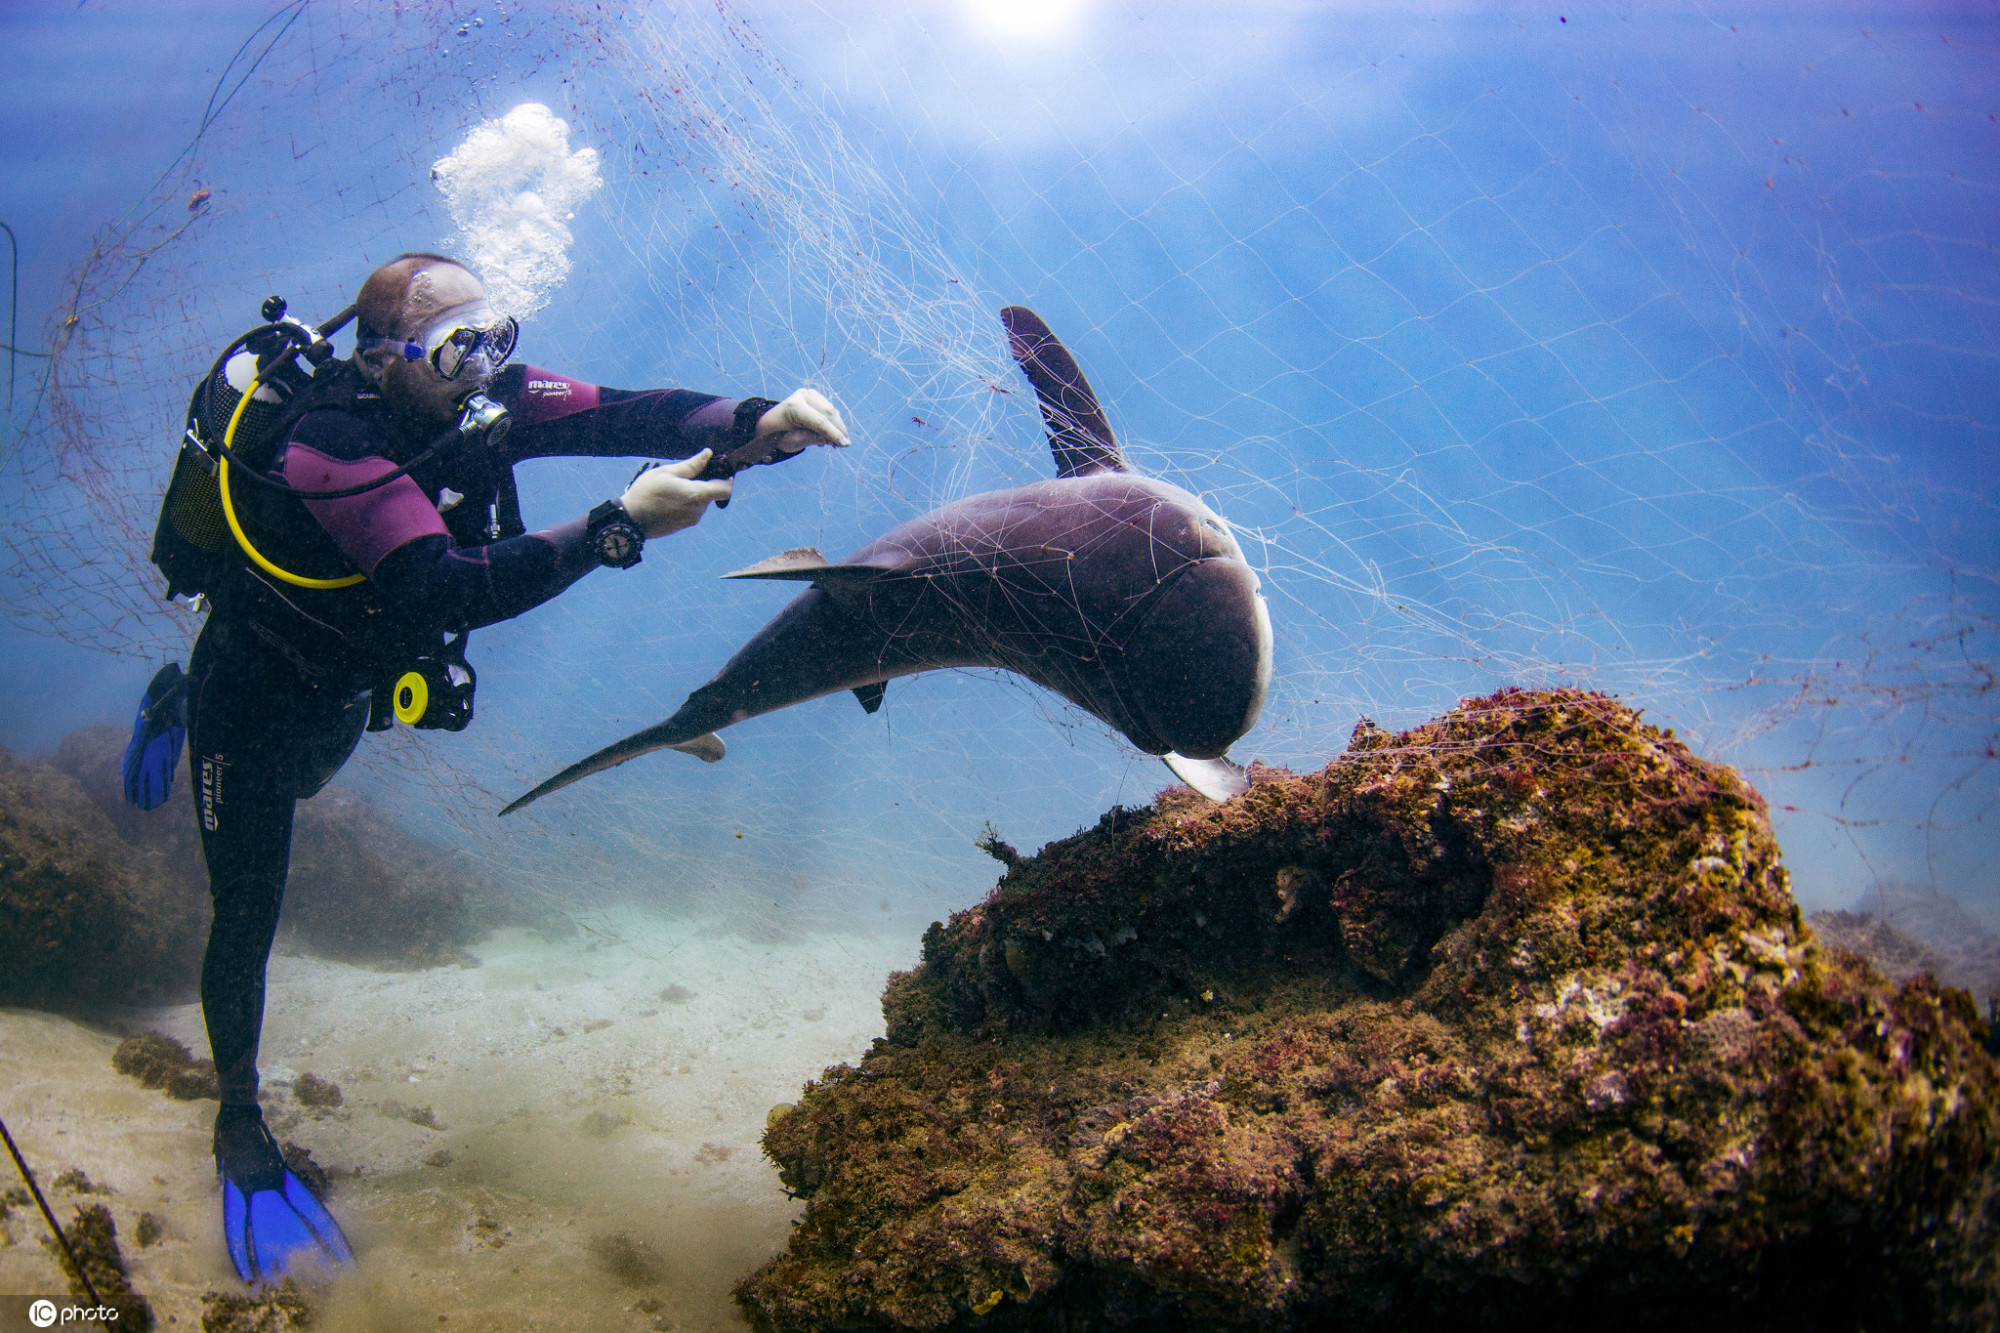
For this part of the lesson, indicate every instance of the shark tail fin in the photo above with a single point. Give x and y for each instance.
(1079, 435)
(1217, 779)
(707, 747)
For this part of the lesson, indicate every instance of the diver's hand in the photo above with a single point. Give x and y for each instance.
(666, 499)
(804, 418)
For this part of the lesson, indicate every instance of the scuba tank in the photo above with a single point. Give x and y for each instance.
(238, 415)
(192, 540)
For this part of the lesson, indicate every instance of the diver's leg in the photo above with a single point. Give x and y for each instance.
(247, 865)
(250, 719)
(243, 802)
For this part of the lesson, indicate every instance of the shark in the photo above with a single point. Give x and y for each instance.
(1123, 593)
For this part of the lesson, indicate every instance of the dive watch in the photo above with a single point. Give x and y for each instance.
(614, 538)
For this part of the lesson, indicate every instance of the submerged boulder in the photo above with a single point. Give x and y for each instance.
(360, 888)
(1506, 1021)
(1903, 933)
(82, 921)
(103, 903)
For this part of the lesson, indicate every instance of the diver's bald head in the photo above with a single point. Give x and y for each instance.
(409, 291)
(403, 302)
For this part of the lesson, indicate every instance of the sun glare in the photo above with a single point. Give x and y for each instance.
(1023, 19)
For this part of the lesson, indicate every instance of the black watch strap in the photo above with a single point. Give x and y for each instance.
(613, 537)
(749, 412)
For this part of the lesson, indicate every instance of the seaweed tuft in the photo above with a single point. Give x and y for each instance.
(93, 1237)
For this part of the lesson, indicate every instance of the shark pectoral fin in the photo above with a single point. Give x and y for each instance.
(707, 747)
(801, 562)
(848, 584)
(1217, 779)
(871, 695)
(804, 564)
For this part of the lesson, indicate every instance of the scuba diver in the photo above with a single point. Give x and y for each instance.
(371, 522)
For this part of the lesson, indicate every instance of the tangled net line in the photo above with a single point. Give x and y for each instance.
(1492, 394)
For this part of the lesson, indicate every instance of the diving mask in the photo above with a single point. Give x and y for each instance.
(455, 342)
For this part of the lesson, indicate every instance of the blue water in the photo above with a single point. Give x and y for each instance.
(1646, 351)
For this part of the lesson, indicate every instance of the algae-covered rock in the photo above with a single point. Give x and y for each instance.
(364, 890)
(1903, 933)
(271, 1309)
(82, 920)
(359, 886)
(158, 1061)
(1508, 1021)
(93, 1239)
(101, 902)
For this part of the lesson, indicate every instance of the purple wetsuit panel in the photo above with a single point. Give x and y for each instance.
(395, 535)
(366, 526)
(556, 416)
(546, 395)
(717, 417)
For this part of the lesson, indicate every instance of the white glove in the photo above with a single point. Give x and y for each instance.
(804, 418)
(666, 499)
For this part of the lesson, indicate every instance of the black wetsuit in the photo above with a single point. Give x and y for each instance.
(277, 692)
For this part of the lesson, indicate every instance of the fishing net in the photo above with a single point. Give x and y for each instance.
(1552, 351)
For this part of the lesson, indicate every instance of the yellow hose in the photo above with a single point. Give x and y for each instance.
(229, 509)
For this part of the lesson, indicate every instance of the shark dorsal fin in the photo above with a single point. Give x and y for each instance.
(1079, 436)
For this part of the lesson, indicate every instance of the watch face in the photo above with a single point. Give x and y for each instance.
(618, 544)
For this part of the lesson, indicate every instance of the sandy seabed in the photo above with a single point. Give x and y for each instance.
(598, 1103)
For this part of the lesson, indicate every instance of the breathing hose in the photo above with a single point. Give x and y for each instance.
(257, 557)
(291, 332)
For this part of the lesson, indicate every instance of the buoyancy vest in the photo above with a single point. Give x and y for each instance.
(343, 632)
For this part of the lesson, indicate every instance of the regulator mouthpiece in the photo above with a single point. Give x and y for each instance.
(482, 418)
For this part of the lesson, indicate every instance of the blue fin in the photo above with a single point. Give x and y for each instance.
(235, 1229)
(271, 1221)
(314, 1214)
(157, 733)
(287, 1227)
